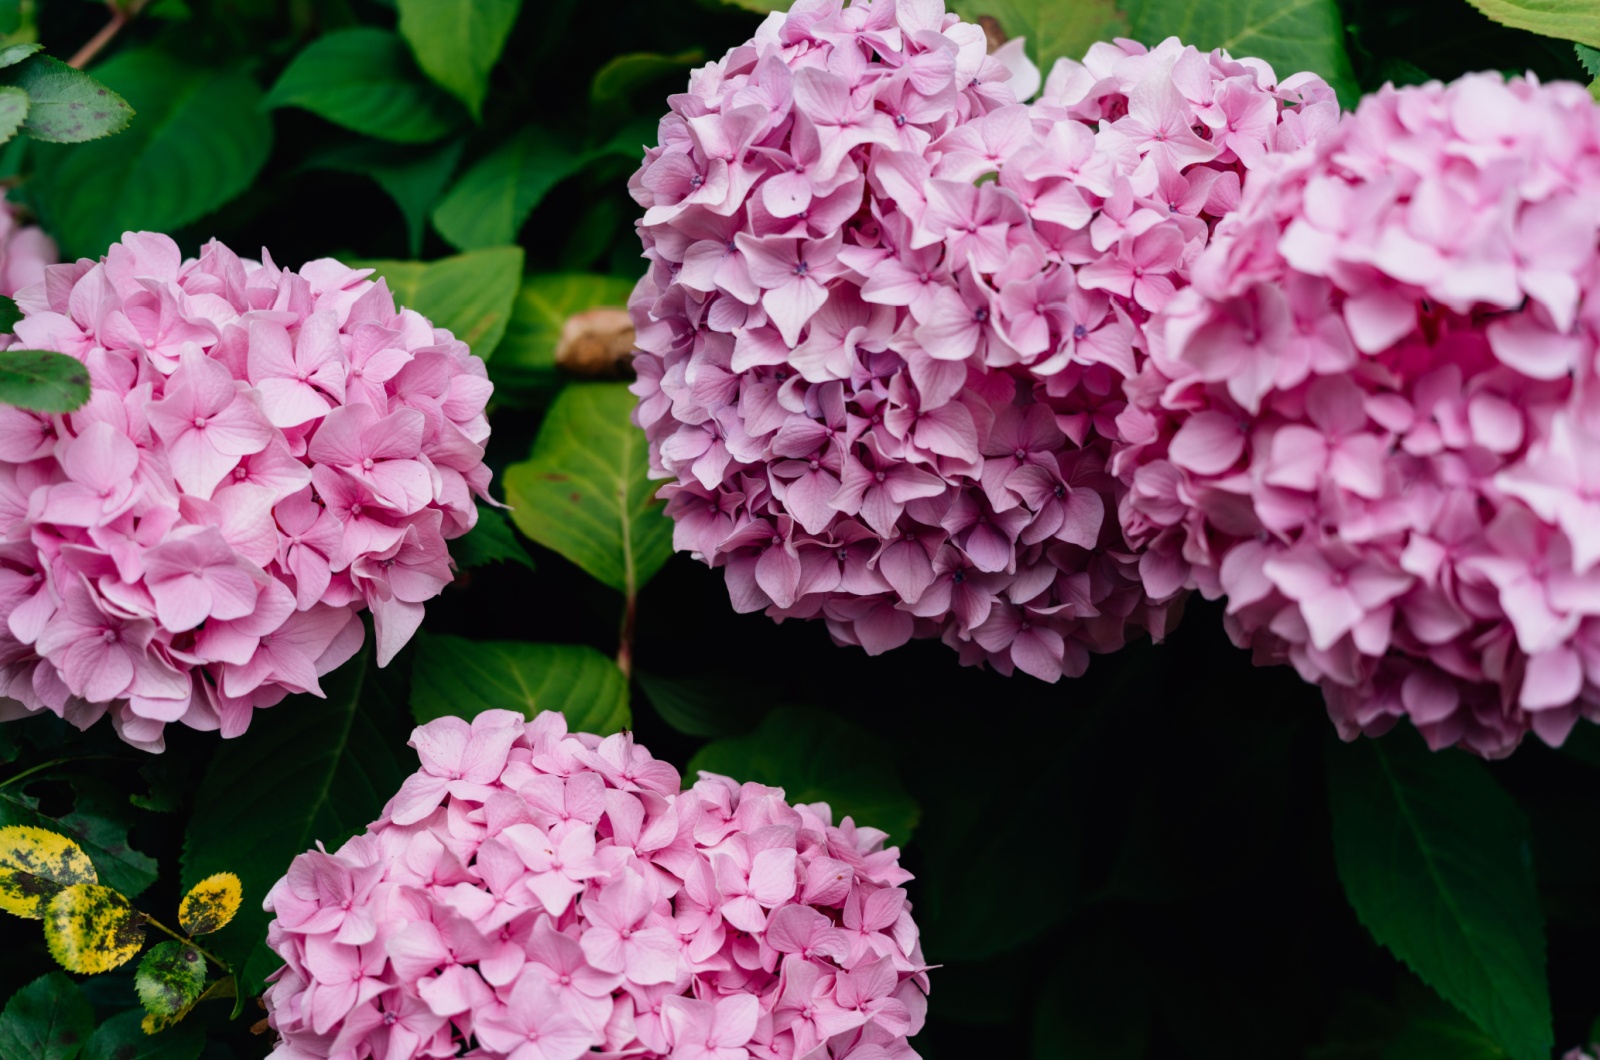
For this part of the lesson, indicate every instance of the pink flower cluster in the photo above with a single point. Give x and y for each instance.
(264, 454)
(547, 896)
(890, 310)
(24, 252)
(1372, 421)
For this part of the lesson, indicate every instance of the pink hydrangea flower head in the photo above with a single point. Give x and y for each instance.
(1370, 420)
(264, 455)
(535, 894)
(25, 250)
(891, 306)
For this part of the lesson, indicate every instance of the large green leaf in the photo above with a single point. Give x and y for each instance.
(585, 489)
(308, 770)
(366, 80)
(1435, 858)
(703, 706)
(470, 294)
(457, 42)
(1577, 20)
(1096, 1003)
(453, 675)
(525, 363)
(492, 200)
(122, 1038)
(1055, 29)
(66, 106)
(1292, 35)
(816, 756)
(414, 179)
(200, 140)
(490, 540)
(622, 75)
(42, 380)
(49, 1019)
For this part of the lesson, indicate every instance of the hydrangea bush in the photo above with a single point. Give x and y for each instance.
(891, 307)
(545, 894)
(266, 453)
(1371, 420)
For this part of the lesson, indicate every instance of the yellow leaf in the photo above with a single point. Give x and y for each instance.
(210, 904)
(90, 928)
(35, 864)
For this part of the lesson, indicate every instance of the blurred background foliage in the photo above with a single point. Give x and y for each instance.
(1145, 862)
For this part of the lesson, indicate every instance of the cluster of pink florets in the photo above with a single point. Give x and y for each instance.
(541, 894)
(1373, 420)
(890, 310)
(264, 454)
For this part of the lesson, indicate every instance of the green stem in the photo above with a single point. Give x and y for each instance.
(186, 940)
(31, 770)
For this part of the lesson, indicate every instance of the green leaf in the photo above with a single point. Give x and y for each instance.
(625, 73)
(13, 111)
(98, 823)
(585, 489)
(470, 294)
(309, 770)
(1095, 1004)
(122, 1038)
(170, 978)
(1054, 29)
(200, 140)
(49, 1019)
(452, 675)
(816, 756)
(492, 200)
(413, 179)
(1292, 35)
(12, 54)
(702, 706)
(1589, 57)
(1434, 857)
(490, 541)
(1576, 20)
(67, 106)
(365, 80)
(525, 363)
(457, 42)
(42, 380)
(9, 314)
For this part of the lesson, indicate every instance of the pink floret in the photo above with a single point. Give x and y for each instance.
(534, 893)
(264, 455)
(891, 307)
(1371, 422)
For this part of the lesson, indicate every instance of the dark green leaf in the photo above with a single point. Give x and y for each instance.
(1420, 1027)
(1054, 29)
(12, 54)
(452, 675)
(42, 380)
(1589, 57)
(365, 80)
(1095, 1004)
(9, 314)
(816, 756)
(122, 1038)
(49, 1019)
(1293, 36)
(67, 106)
(704, 706)
(470, 294)
(308, 770)
(525, 364)
(490, 541)
(492, 200)
(200, 140)
(1576, 20)
(1435, 859)
(585, 489)
(413, 179)
(170, 978)
(457, 42)
(617, 78)
(13, 111)
(98, 823)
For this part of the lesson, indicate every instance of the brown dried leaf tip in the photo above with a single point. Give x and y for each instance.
(992, 32)
(597, 344)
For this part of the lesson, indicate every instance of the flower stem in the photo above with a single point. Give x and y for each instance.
(41, 767)
(630, 615)
(212, 957)
(120, 16)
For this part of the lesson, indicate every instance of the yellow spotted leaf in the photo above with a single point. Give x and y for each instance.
(90, 928)
(210, 904)
(35, 865)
